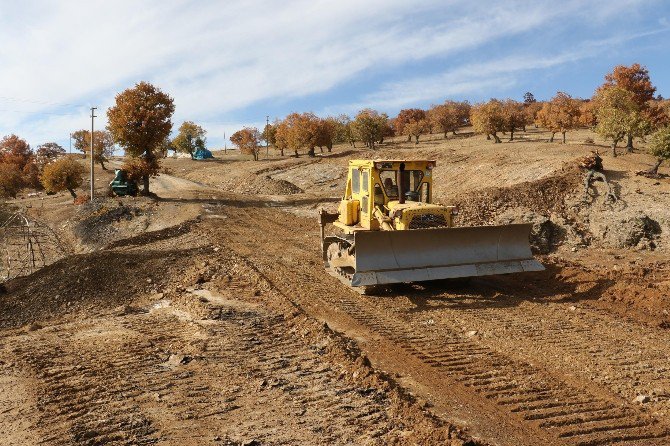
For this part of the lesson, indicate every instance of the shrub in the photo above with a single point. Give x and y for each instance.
(63, 174)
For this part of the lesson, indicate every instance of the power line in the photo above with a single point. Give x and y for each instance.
(31, 101)
(29, 112)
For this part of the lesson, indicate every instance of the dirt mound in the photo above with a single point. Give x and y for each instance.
(544, 196)
(266, 185)
(636, 231)
(104, 220)
(541, 203)
(99, 280)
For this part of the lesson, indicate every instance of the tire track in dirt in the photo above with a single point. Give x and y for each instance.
(204, 369)
(541, 396)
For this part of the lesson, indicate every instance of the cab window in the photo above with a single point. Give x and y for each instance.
(355, 181)
(411, 179)
(425, 193)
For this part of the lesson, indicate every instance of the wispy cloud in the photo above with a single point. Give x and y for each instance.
(491, 76)
(219, 59)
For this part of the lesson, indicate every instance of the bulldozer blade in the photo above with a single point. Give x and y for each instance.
(383, 257)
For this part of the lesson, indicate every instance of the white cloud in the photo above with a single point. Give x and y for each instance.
(218, 57)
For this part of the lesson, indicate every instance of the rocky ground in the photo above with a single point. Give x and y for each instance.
(205, 316)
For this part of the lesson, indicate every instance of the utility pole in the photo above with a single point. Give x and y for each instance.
(91, 153)
(267, 143)
(70, 143)
(225, 144)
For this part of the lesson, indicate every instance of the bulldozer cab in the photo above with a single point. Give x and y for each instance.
(380, 184)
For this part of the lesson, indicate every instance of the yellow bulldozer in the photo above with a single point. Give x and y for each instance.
(391, 231)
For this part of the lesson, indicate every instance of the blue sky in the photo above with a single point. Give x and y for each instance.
(231, 63)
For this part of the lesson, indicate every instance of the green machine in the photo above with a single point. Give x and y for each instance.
(121, 185)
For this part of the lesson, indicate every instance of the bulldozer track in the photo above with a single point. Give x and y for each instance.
(114, 381)
(559, 375)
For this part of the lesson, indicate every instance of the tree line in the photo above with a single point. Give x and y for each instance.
(304, 132)
(622, 108)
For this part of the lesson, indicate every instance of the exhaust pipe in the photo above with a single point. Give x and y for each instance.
(401, 187)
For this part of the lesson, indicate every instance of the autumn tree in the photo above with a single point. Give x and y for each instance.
(327, 132)
(298, 131)
(618, 115)
(248, 141)
(634, 79)
(48, 152)
(16, 151)
(164, 147)
(63, 174)
(269, 134)
(414, 129)
(587, 114)
(444, 117)
(462, 112)
(184, 142)
(369, 126)
(532, 109)
(559, 115)
(11, 180)
(488, 118)
(140, 121)
(345, 130)
(657, 113)
(659, 144)
(281, 136)
(103, 145)
(515, 116)
(139, 168)
(405, 117)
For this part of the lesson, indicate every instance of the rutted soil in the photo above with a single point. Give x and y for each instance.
(537, 360)
(205, 353)
(205, 316)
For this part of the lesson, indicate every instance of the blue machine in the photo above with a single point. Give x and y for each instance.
(202, 154)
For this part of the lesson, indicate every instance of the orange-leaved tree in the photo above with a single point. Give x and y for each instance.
(515, 117)
(298, 131)
(488, 118)
(11, 180)
(63, 174)
(327, 133)
(140, 121)
(634, 79)
(559, 115)
(444, 117)
(248, 140)
(139, 168)
(414, 129)
(405, 117)
(587, 113)
(16, 151)
(370, 126)
(103, 144)
(48, 152)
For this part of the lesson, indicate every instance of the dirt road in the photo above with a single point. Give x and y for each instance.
(516, 365)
